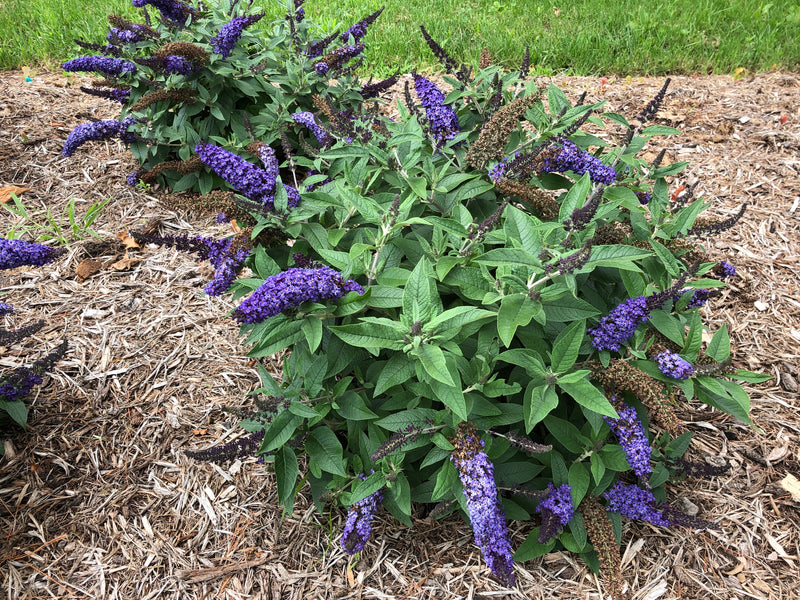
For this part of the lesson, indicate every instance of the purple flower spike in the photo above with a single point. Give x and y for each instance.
(568, 157)
(6, 309)
(291, 288)
(97, 130)
(485, 511)
(619, 325)
(635, 503)
(632, 438)
(224, 42)
(724, 270)
(557, 510)
(18, 253)
(442, 119)
(110, 67)
(358, 526)
(359, 30)
(672, 365)
(306, 118)
(171, 10)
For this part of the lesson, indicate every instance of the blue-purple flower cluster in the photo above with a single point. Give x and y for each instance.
(636, 503)
(359, 30)
(299, 11)
(114, 94)
(246, 178)
(486, 514)
(19, 383)
(6, 309)
(699, 297)
(672, 365)
(98, 130)
(338, 58)
(171, 10)
(618, 326)
(224, 42)
(556, 510)
(358, 526)
(307, 118)
(632, 438)
(105, 65)
(725, 270)
(124, 36)
(569, 157)
(442, 119)
(18, 253)
(289, 289)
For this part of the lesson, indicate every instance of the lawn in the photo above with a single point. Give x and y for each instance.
(584, 37)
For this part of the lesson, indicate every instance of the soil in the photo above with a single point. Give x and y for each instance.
(97, 499)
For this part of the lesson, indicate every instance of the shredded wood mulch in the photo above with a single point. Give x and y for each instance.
(97, 499)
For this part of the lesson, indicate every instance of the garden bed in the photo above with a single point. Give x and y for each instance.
(98, 500)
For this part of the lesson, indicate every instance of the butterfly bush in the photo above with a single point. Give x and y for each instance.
(18, 253)
(512, 291)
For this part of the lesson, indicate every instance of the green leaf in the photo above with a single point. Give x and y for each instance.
(567, 308)
(589, 396)
(711, 391)
(508, 256)
(566, 434)
(366, 487)
(525, 358)
(750, 376)
(369, 334)
(301, 410)
(353, 408)
(667, 325)
(420, 298)
(531, 548)
(312, 329)
(719, 348)
(516, 310)
(16, 410)
(404, 418)
(567, 345)
(615, 255)
(419, 186)
(598, 468)
(694, 338)
(401, 492)
(367, 207)
(279, 432)
(286, 471)
(538, 402)
(449, 323)
(397, 370)
(660, 130)
(325, 449)
(579, 481)
(575, 198)
(433, 361)
(446, 479)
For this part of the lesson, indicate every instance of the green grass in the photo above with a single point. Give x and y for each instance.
(581, 37)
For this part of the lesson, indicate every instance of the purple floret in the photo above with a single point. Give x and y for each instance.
(486, 514)
(307, 118)
(18, 253)
(110, 67)
(725, 270)
(358, 526)
(98, 130)
(556, 509)
(632, 438)
(6, 309)
(635, 503)
(442, 119)
(224, 42)
(618, 326)
(569, 157)
(125, 36)
(291, 288)
(19, 383)
(672, 365)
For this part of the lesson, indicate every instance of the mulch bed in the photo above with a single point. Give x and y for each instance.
(97, 499)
